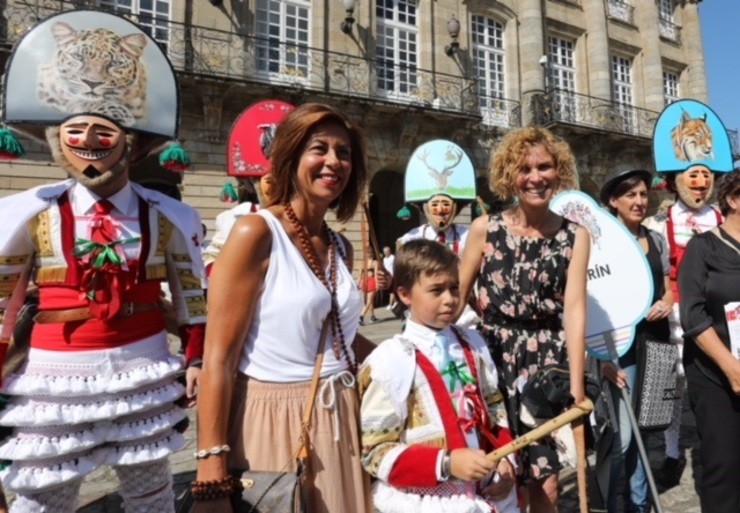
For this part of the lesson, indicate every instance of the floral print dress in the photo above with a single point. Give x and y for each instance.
(520, 288)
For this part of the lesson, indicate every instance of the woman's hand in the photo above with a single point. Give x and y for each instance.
(614, 374)
(733, 376)
(659, 310)
(220, 505)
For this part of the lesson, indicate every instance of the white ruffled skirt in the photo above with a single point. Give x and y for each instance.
(73, 411)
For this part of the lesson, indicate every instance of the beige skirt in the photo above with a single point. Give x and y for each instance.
(264, 431)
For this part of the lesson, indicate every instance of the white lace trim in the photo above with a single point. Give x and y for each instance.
(27, 478)
(63, 380)
(39, 475)
(143, 451)
(388, 499)
(47, 411)
(52, 441)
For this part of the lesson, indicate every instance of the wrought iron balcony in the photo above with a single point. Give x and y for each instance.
(622, 11)
(559, 106)
(669, 30)
(224, 55)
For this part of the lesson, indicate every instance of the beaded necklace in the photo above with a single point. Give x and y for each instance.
(310, 255)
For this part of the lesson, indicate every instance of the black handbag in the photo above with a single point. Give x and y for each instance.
(655, 387)
(547, 392)
(281, 491)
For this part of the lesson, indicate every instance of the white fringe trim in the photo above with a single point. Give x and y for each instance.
(25, 411)
(35, 381)
(392, 500)
(20, 478)
(144, 451)
(42, 447)
(35, 444)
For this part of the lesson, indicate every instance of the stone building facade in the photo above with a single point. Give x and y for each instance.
(595, 71)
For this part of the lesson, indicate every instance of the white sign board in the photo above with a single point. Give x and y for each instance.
(620, 287)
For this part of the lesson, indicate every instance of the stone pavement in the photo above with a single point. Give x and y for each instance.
(98, 492)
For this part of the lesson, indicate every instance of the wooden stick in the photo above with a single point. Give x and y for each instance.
(579, 436)
(583, 408)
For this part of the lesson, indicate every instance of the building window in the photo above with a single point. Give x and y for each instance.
(153, 16)
(488, 62)
(667, 27)
(561, 76)
(671, 89)
(665, 10)
(282, 31)
(622, 89)
(396, 49)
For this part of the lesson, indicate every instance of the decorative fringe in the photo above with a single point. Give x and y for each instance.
(228, 193)
(659, 183)
(174, 158)
(10, 147)
(404, 214)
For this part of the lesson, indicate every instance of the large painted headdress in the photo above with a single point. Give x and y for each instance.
(436, 168)
(93, 63)
(250, 142)
(689, 133)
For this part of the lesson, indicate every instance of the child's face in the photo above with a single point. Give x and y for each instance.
(433, 299)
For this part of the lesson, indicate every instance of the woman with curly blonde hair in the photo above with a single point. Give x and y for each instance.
(531, 265)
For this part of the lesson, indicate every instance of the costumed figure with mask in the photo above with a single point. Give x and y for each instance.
(440, 181)
(250, 143)
(99, 386)
(690, 146)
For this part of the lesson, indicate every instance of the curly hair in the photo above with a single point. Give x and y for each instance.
(509, 159)
(730, 185)
(288, 146)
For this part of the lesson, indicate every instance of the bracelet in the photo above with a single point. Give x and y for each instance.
(215, 489)
(213, 451)
(446, 465)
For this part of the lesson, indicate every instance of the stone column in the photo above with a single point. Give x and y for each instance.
(597, 49)
(691, 37)
(646, 17)
(531, 48)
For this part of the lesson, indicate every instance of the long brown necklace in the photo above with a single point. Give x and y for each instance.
(312, 258)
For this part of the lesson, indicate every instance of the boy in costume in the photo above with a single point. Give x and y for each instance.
(430, 402)
(440, 180)
(99, 386)
(250, 142)
(690, 146)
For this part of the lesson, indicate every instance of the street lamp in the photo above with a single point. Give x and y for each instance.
(349, 6)
(453, 27)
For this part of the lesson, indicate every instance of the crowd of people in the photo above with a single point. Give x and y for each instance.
(283, 379)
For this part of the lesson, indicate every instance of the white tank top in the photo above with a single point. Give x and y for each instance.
(284, 335)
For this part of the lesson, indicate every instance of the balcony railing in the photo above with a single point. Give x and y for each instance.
(559, 106)
(669, 30)
(622, 11)
(224, 55)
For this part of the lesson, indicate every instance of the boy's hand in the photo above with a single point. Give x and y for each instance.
(470, 464)
(507, 479)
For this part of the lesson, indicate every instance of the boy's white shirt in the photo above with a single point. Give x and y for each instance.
(393, 366)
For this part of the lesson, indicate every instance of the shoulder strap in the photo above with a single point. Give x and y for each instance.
(716, 233)
(311, 401)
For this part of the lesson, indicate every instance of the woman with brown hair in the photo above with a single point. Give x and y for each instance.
(531, 264)
(281, 273)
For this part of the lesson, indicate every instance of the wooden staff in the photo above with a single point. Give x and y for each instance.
(579, 436)
(577, 411)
